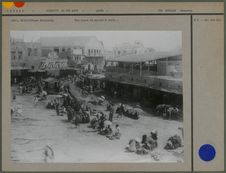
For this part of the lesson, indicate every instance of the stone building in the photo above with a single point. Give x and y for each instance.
(80, 50)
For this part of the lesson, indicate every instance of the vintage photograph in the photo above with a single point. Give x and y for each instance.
(96, 97)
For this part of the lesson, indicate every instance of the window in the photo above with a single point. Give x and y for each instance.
(13, 55)
(20, 53)
(29, 51)
(56, 50)
(45, 52)
(35, 52)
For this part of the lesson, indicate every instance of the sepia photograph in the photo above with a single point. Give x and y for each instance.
(96, 97)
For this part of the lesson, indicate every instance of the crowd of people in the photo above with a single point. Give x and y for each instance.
(131, 113)
(29, 85)
(168, 111)
(65, 103)
(104, 126)
(148, 143)
(79, 112)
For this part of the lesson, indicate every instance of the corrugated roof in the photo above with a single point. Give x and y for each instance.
(18, 68)
(65, 41)
(96, 76)
(145, 57)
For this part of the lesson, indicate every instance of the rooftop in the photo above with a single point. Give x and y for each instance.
(145, 57)
(66, 41)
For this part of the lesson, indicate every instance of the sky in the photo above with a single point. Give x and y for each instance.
(159, 40)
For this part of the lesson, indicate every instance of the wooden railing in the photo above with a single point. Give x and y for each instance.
(119, 70)
(167, 83)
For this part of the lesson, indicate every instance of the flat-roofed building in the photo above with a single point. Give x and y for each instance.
(23, 56)
(144, 76)
(130, 49)
(79, 50)
(23, 53)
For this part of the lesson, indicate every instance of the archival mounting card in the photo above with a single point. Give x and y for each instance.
(113, 86)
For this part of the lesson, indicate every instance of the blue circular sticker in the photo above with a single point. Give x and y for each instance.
(207, 152)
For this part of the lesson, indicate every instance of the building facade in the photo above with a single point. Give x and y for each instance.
(24, 54)
(152, 78)
(81, 50)
(52, 54)
(128, 49)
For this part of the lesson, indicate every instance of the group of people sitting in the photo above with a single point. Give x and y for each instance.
(105, 127)
(52, 104)
(98, 121)
(131, 113)
(55, 104)
(27, 85)
(42, 95)
(168, 111)
(81, 116)
(173, 142)
(148, 143)
(76, 111)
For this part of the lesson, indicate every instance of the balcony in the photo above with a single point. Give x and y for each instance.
(147, 78)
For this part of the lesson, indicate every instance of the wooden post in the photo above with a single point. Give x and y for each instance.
(140, 68)
(148, 66)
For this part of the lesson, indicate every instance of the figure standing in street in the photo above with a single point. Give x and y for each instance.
(57, 109)
(111, 113)
(35, 101)
(115, 94)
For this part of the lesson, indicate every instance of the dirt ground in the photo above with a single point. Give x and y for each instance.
(38, 127)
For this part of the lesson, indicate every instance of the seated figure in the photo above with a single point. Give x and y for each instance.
(152, 139)
(117, 134)
(133, 145)
(106, 130)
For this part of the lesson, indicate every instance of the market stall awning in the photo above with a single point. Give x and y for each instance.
(19, 68)
(96, 76)
(33, 71)
(50, 79)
